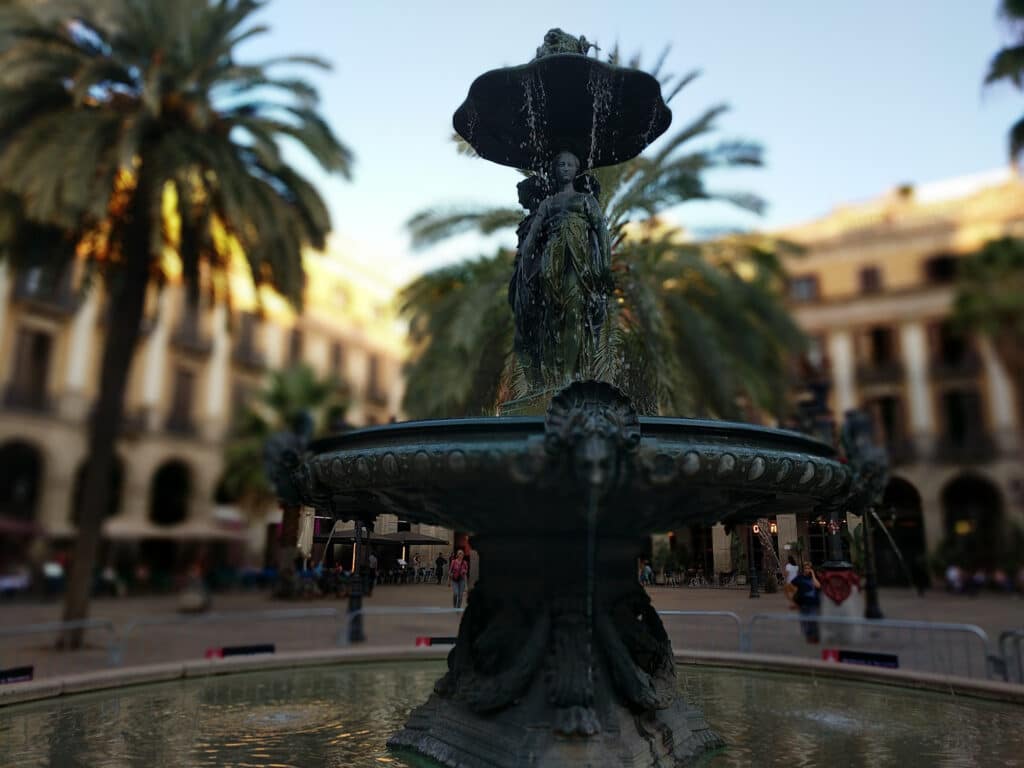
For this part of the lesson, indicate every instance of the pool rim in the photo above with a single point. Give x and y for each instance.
(106, 679)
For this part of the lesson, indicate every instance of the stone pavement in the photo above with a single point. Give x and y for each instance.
(180, 640)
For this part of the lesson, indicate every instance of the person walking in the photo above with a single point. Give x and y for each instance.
(372, 562)
(439, 565)
(808, 600)
(459, 571)
(790, 571)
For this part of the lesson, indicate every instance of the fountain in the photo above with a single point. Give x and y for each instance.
(560, 657)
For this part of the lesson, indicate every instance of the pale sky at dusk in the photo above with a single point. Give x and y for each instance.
(848, 98)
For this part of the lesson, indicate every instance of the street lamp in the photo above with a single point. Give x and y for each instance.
(754, 529)
(870, 465)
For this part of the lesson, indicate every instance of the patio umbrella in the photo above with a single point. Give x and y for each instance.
(349, 534)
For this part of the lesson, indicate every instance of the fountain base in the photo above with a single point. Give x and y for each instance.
(548, 671)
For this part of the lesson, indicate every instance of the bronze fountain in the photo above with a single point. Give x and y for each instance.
(560, 658)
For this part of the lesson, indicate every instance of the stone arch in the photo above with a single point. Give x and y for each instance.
(116, 492)
(901, 512)
(21, 480)
(170, 490)
(972, 512)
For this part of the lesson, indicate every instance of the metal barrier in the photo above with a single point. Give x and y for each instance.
(22, 647)
(702, 635)
(1013, 662)
(949, 649)
(176, 642)
(961, 650)
(399, 610)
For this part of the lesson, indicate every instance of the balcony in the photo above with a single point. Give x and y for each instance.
(901, 452)
(966, 366)
(975, 449)
(189, 338)
(247, 356)
(180, 424)
(887, 372)
(21, 398)
(46, 295)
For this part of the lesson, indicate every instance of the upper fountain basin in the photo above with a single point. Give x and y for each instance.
(497, 475)
(521, 116)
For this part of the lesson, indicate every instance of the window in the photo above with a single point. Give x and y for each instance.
(31, 370)
(375, 384)
(295, 346)
(887, 413)
(881, 345)
(337, 360)
(803, 288)
(247, 331)
(870, 280)
(940, 269)
(949, 346)
(962, 417)
(180, 418)
(816, 352)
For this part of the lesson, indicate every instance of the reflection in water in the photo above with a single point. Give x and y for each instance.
(342, 716)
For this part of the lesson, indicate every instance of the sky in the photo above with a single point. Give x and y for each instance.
(849, 99)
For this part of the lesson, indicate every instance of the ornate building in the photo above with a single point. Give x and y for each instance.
(874, 291)
(192, 373)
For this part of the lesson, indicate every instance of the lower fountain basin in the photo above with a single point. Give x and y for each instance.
(342, 715)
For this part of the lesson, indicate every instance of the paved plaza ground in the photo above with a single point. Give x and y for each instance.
(177, 639)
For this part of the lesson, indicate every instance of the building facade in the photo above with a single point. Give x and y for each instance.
(874, 292)
(192, 373)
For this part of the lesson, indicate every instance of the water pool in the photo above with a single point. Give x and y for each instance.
(341, 716)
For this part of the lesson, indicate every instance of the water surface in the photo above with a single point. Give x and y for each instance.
(341, 717)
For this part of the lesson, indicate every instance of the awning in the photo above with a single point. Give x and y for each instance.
(408, 538)
(349, 534)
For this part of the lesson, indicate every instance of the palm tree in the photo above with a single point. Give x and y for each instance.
(698, 328)
(990, 300)
(288, 394)
(130, 126)
(1008, 65)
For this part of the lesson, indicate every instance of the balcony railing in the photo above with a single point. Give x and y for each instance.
(21, 398)
(889, 372)
(975, 449)
(45, 294)
(966, 366)
(247, 356)
(188, 338)
(181, 424)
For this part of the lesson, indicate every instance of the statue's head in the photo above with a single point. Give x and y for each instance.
(565, 167)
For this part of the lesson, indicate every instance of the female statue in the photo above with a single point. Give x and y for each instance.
(562, 280)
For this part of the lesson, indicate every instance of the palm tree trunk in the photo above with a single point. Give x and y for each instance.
(127, 301)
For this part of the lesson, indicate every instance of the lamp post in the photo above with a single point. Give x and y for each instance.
(752, 561)
(360, 582)
(870, 465)
(872, 610)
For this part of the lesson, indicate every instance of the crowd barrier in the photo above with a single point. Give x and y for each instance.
(1011, 651)
(958, 650)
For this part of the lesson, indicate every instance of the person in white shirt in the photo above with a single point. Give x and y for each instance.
(791, 571)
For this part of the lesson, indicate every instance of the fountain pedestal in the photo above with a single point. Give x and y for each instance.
(552, 668)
